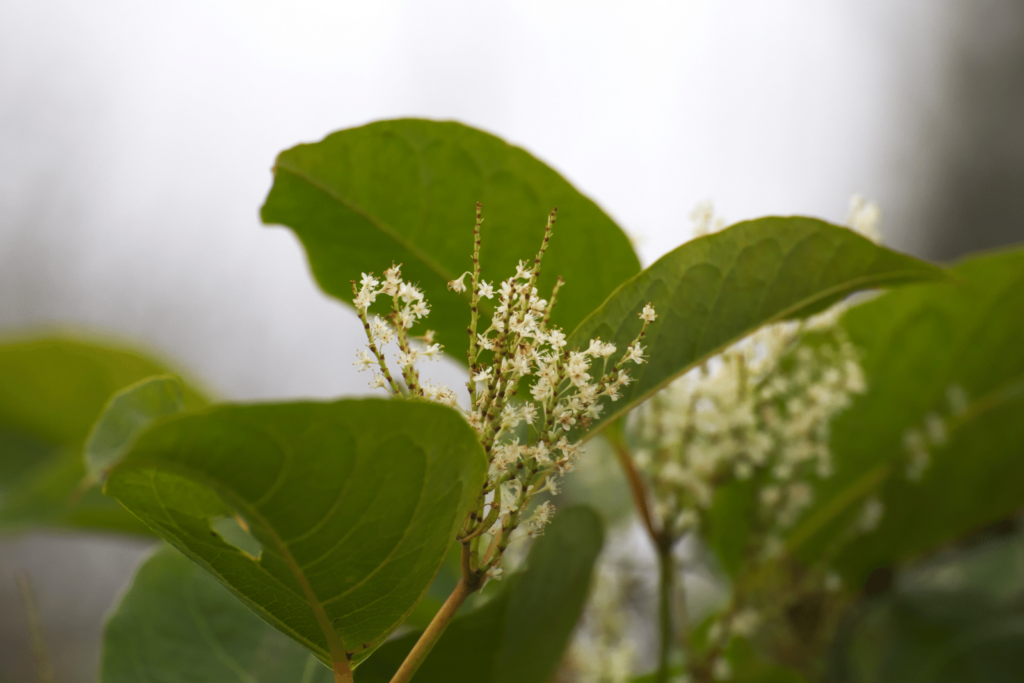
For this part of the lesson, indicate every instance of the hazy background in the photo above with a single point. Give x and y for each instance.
(136, 140)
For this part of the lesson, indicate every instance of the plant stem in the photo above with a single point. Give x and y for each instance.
(636, 483)
(666, 584)
(434, 631)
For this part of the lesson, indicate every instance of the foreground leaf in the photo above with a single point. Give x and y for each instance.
(178, 624)
(127, 414)
(521, 634)
(51, 392)
(922, 347)
(404, 191)
(715, 290)
(354, 504)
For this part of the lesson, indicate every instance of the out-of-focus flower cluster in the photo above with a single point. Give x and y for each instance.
(760, 410)
(528, 440)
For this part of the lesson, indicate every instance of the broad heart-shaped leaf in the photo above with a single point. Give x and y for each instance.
(51, 392)
(520, 635)
(714, 290)
(354, 503)
(405, 191)
(178, 624)
(127, 414)
(917, 345)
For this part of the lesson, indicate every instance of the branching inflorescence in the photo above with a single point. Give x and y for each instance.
(528, 440)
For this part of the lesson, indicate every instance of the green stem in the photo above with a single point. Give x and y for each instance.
(433, 633)
(666, 583)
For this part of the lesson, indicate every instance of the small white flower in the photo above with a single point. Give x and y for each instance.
(457, 284)
(635, 353)
(431, 352)
(364, 360)
(407, 359)
(523, 271)
(871, 514)
(745, 622)
(486, 290)
(381, 330)
(392, 280)
(556, 338)
(483, 375)
(408, 293)
(378, 381)
(420, 309)
(494, 573)
(648, 315)
(368, 281)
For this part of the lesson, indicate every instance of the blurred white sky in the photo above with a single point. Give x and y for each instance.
(137, 138)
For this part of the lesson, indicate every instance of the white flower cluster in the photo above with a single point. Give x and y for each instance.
(918, 442)
(759, 410)
(602, 651)
(517, 347)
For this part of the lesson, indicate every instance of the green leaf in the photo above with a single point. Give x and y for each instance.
(178, 624)
(51, 392)
(715, 290)
(405, 191)
(354, 504)
(520, 635)
(919, 344)
(957, 617)
(126, 416)
(728, 531)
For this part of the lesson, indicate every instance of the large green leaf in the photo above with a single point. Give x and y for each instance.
(919, 344)
(714, 290)
(405, 191)
(178, 624)
(520, 635)
(51, 392)
(354, 504)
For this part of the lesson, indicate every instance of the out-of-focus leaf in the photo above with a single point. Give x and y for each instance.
(960, 617)
(714, 290)
(922, 347)
(521, 633)
(126, 415)
(405, 191)
(178, 624)
(51, 392)
(354, 504)
(728, 531)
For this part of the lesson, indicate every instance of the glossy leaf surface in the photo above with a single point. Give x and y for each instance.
(405, 191)
(922, 347)
(178, 624)
(714, 290)
(51, 392)
(354, 504)
(521, 634)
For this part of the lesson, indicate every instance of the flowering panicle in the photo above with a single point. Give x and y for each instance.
(529, 440)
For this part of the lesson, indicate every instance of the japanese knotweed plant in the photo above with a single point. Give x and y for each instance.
(331, 521)
(518, 348)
